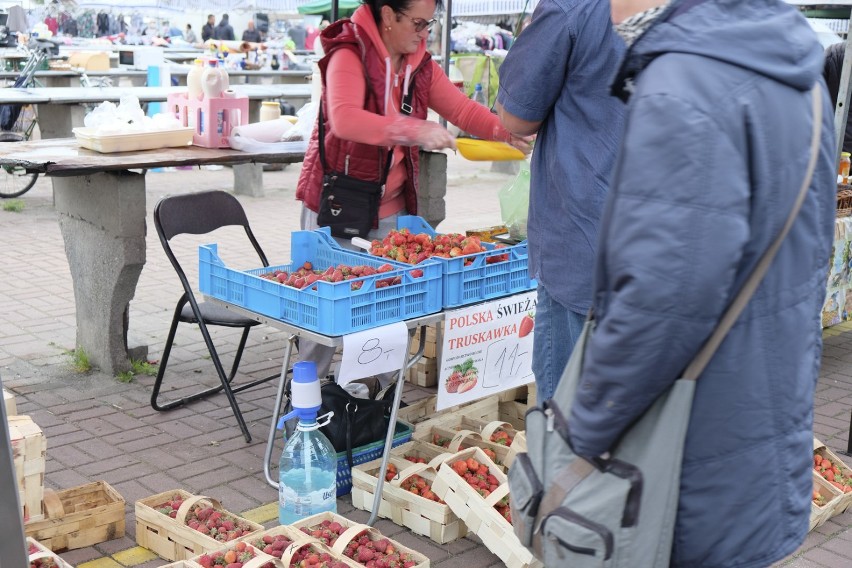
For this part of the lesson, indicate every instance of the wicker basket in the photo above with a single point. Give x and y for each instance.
(844, 200)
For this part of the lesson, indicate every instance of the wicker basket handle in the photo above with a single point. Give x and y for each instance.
(258, 560)
(188, 504)
(498, 494)
(461, 436)
(492, 427)
(290, 551)
(413, 469)
(41, 555)
(349, 534)
(53, 507)
(436, 462)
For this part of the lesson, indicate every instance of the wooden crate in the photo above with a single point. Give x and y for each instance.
(292, 533)
(257, 561)
(29, 447)
(319, 548)
(37, 551)
(79, 517)
(9, 401)
(832, 496)
(423, 516)
(479, 514)
(515, 403)
(424, 373)
(463, 432)
(845, 470)
(519, 446)
(353, 530)
(425, 409)
(170, 538)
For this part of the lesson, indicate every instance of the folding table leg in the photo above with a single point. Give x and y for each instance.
(276, 411)
(397, 398)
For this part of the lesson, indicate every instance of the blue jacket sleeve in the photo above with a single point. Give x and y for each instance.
(675, 229)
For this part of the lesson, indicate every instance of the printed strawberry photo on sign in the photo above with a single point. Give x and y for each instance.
(463, 378)
(527, 325)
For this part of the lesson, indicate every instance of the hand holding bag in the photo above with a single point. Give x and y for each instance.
(570, 511)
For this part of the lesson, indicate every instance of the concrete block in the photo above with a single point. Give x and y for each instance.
(248, 180)
(433, 175)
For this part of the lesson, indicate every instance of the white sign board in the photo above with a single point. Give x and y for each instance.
(487, 349)
(373, 351)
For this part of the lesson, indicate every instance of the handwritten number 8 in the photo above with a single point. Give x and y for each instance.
(370, 351)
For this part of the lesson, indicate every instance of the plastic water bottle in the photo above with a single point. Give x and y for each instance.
(307, 472)
(479, 95)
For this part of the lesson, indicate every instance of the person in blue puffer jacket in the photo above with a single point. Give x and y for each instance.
(715, 150)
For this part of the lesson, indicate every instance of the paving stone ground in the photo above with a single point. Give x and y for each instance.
(98, 428)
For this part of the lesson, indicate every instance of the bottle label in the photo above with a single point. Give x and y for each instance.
(307, 503)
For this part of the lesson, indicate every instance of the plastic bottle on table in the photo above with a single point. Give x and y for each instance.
(193, 80)
(479, 95)
(211, 80)
(307, 472)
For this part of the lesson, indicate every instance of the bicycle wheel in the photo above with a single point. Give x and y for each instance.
(14, 180)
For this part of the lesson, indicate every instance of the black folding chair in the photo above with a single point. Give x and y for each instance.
(199, 214)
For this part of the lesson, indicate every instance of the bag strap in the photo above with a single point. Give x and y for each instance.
(696, 367)
(405, 109)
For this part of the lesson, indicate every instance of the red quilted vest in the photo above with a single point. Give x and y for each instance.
(365, 161)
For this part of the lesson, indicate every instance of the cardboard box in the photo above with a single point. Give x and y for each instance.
(89, 60)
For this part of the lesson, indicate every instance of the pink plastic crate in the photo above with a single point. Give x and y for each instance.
(215, 118)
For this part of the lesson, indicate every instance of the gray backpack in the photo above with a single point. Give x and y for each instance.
(618, 510)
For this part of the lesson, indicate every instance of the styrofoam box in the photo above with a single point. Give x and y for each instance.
(108, 143)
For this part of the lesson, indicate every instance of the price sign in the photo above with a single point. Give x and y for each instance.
(487, 349)
(374, 351)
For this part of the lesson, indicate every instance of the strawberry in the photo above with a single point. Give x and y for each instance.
(527, 325)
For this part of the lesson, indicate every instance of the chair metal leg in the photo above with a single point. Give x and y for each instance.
(224, 380)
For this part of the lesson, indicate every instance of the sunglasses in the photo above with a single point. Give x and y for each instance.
(419, 23)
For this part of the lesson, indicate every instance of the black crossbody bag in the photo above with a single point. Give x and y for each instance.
(349, 206)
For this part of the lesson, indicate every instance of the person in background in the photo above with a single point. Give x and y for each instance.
(371, 62)
(224, 31)
(189, 35)
(298, 34)
(208, 28)
(562, 93)
(715, 151)
(251, 34)
(834, 55)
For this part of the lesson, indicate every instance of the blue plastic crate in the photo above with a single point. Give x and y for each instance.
(332, 308)
(367, 453)
(478, 281)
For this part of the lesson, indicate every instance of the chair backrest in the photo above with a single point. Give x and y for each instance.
(198, 214)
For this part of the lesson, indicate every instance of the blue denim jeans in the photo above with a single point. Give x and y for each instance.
(557, 329)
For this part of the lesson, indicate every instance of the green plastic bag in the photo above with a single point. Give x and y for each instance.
(515, 203)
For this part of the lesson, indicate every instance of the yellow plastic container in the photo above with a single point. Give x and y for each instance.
(487, 150)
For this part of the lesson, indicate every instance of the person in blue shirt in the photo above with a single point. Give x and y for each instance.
(555, 82)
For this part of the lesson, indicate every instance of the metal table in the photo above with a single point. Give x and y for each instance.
(295, 331)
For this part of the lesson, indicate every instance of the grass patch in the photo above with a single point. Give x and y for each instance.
(80, 360)
(138, 368)
(13, 205)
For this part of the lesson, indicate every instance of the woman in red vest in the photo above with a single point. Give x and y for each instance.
(373, 61)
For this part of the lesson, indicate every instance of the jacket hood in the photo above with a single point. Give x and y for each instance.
(769, 37)
(363, 23)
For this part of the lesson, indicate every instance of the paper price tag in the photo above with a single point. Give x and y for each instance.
(372, 352)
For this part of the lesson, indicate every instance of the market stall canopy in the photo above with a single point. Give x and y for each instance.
(345, 7)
